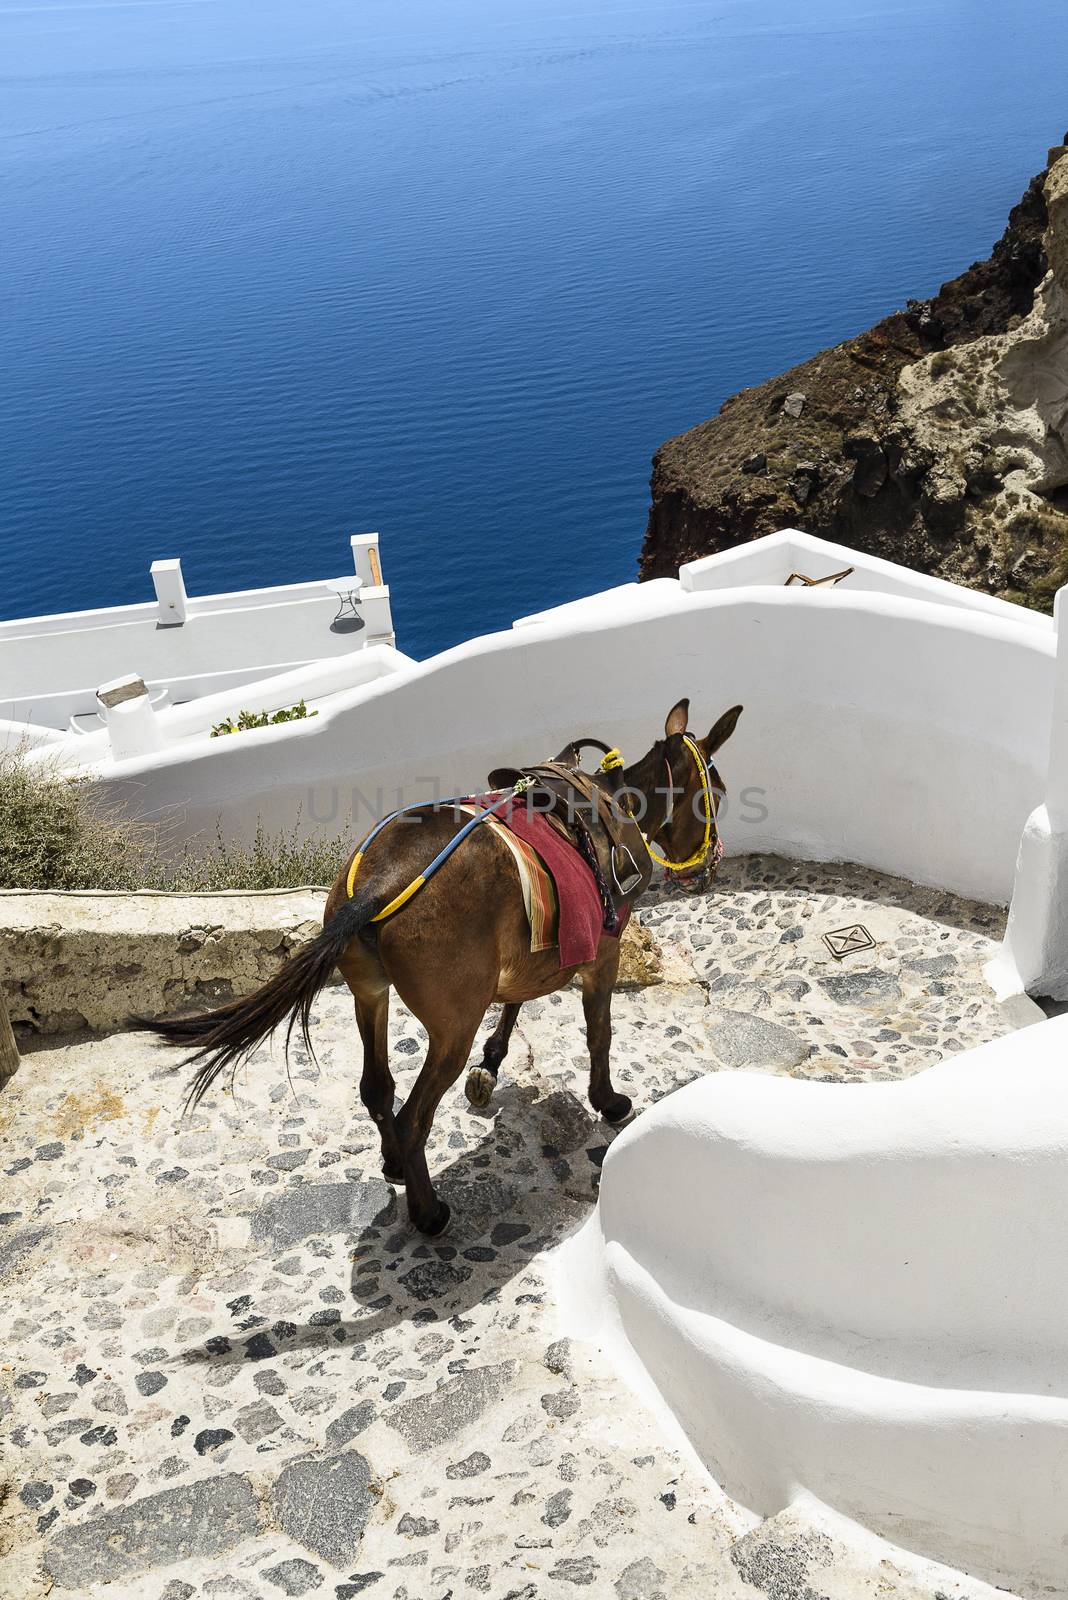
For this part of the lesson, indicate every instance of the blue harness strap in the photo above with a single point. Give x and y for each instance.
(441, 857)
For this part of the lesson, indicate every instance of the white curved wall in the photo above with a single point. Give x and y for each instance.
(25, 736)
(858, 1292)
(314, 683)
(773, 558)
(879, 728)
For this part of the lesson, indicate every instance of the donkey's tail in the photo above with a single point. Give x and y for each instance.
(227, 1036)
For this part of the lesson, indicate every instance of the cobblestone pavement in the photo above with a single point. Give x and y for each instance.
(228, 1367)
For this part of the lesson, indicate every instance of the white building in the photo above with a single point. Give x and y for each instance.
(189, 650)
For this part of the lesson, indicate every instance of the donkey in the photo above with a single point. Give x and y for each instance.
(463, 944)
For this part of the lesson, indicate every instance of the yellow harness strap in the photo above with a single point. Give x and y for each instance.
(442, 856)
(613, 760)
(397, 901)
(350, 881)
(400, 899)
(706, 789)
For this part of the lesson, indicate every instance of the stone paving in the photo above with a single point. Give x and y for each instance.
(228, 1367)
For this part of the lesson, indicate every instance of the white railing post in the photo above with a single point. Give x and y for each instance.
(1034, 953)
(374, 603)
(170, 592)
(131, 722)
(366, 560)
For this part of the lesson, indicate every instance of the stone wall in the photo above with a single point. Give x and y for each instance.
(96, 960)
(78, 960)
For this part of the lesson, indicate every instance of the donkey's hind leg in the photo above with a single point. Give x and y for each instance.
(444, 1063)
(377, 1089)
(482, 1080)
(598, 981)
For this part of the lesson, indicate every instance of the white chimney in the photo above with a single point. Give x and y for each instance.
(131, 722)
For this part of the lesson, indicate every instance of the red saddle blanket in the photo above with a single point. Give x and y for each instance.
(581, 918)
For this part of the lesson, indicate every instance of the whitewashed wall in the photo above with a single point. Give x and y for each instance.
(773, 559)
(869, 1315)
(903, 734)
(51, 667)
(315, 683)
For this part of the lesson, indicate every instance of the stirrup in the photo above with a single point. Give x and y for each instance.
(634, 879)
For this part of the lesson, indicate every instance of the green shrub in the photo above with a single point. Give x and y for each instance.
(56, 833)
(262, 719)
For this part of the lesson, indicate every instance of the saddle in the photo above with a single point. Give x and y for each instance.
(575, 804)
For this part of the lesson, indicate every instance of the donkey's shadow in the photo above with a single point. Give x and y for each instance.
(529, 1179)
(528, 1182)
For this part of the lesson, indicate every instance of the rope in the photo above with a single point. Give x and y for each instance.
(587, 850)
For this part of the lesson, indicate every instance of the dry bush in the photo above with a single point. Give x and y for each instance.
(55, 833)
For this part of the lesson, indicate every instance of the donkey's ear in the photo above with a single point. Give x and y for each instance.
(723, 730)
(677, 718)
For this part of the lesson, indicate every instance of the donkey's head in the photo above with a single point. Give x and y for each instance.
(682, 790)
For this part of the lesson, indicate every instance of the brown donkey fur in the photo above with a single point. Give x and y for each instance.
(460, 945)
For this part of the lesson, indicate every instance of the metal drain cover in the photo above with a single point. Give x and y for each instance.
(843, 942)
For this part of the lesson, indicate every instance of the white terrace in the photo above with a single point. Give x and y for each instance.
(232, 1366)
(189, 648)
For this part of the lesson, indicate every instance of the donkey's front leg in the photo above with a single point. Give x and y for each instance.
(482, 1080)
(598, 981)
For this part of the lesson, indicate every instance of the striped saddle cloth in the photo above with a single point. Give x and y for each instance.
(539, 890)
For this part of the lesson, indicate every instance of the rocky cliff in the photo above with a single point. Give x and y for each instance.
(939, 438)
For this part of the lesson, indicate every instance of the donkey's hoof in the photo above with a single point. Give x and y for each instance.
(439, 1221)
(479, 1087)
(618, 1109)
(392, 1174)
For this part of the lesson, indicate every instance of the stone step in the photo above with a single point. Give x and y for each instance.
(808, 1552)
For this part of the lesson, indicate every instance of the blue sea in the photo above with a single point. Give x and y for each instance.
(278, 272)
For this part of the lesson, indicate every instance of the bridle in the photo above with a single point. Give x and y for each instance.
(711, 844)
